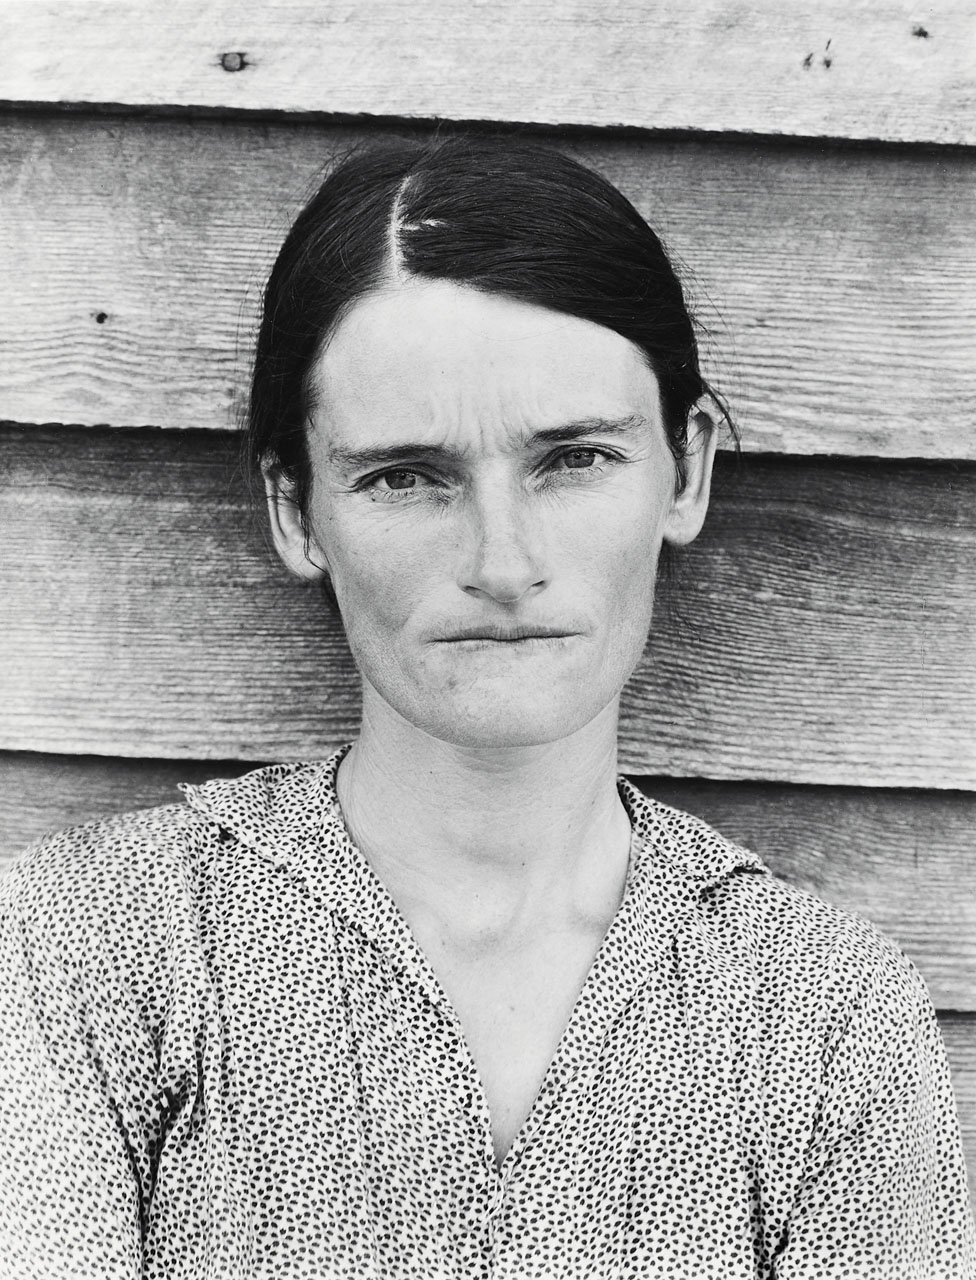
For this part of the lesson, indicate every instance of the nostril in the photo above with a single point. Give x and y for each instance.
(504, 543)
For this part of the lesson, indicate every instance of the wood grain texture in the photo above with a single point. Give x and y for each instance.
(837, 286)
(867, 70)
(902, 859)
(821, 631)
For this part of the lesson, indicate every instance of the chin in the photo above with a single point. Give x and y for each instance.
(500, 727)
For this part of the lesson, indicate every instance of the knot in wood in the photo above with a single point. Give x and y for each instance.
(233, 61)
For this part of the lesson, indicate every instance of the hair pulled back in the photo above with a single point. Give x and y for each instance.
(507, 217)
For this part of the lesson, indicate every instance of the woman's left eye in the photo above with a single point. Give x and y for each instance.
(398, 480)
(579, 458)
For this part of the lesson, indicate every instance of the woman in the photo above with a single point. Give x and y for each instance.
(458, 1001)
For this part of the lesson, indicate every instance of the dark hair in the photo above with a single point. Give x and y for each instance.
(503, 216)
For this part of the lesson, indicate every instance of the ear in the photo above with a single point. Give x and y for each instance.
(687, 514)
(296, 547)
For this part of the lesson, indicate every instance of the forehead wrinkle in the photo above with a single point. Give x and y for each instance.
(348, 456)
(527, 439)
(464, 395)
(586, 426)
(375, 455)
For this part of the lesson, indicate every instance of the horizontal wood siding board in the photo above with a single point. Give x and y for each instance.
(902, 859)
(820, 631)
(890, 71)
(837, 286)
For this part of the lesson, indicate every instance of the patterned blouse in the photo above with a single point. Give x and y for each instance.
(224, 1055)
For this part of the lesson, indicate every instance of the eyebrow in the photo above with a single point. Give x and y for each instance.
(387, 455)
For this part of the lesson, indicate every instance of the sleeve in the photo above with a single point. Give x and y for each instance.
(69, 1192)
(884, 1193)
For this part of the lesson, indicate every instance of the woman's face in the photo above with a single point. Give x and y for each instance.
(491, 485)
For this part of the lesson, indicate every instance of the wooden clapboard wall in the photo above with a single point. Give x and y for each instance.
(811, 689)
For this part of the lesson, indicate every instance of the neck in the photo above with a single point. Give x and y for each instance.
(488, 841)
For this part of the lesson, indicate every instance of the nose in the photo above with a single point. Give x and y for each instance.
(504, 554)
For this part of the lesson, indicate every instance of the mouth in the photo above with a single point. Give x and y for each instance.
(510, 635)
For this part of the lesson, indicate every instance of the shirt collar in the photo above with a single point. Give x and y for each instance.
(289, 813)
(685, 845)
(278, 811)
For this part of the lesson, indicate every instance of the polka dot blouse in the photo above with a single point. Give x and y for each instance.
(223, 1054)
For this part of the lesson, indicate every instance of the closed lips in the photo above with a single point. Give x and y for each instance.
(509, 634)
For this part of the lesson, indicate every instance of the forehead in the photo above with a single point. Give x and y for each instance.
(447, 361)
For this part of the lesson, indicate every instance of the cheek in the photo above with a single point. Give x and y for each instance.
(618, 556)
(377, 573)
(629, 602)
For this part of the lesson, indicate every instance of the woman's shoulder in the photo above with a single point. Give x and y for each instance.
(803, 947)
(102, 885)
(125, 871)
(120, 845)
(777, 934)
